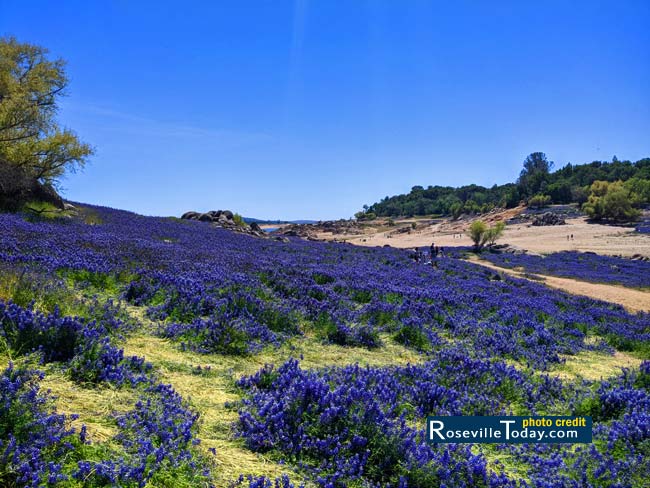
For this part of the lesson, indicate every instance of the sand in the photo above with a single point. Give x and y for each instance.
(601, 239)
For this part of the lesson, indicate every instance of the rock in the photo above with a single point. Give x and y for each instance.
(229, 215)
(256, 227)
(205, 217)
(47, 193)
(17, 187)
(190, 215)
(548, 218)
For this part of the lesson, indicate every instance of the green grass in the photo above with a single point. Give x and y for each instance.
(36, 210)
(45, 293)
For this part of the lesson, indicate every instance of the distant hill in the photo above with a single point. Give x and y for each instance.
(568, 184)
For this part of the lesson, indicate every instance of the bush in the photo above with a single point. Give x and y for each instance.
(539, 201)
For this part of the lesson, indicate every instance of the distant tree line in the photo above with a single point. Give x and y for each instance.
(537, 185)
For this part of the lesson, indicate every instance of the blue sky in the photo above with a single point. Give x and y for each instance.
(309, 109)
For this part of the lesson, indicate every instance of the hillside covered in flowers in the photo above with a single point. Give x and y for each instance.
(142, 351)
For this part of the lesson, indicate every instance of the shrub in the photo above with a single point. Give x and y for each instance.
(539, 201)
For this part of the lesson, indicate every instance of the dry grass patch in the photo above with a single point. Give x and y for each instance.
(212, 386)
(95, 406)
(594, 366)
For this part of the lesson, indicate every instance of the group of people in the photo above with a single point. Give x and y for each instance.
(419, 256)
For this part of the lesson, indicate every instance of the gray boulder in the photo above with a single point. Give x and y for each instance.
(548, 218)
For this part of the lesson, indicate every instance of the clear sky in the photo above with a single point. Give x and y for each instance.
(309, 109)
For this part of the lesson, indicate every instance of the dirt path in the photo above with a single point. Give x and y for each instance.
(632, 300)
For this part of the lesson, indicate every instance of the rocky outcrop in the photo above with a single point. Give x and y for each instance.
(311, 231)
(548, 218)
(17, 187)
(225, 220)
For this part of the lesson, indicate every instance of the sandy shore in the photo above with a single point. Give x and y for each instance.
(601, 239)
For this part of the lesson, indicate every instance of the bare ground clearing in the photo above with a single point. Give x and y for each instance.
(587, 237)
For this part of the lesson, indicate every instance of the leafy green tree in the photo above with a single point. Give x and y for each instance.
(639, 189)
(610, 201)
(476, 233)
(493, 233)
(32, 143)
(481, 234)
(456, 209)
(535, 173)
(560, 192)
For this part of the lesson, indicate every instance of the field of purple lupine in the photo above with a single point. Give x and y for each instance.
(579, 265)
(486, 345)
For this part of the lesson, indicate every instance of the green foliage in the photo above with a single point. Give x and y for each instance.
(456, 209)
(560, 192)
(539, 201)
(494, 232)
(476, 233)
(239, 220)
(535, 175)
(567, 185)
(411, 336)
(611, 201)
(639, 190)
(25, 288)
(36, 210)
(363, 215)
(481, 234)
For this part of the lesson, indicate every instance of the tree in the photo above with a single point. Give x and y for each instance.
(481, 234)
(535, 174)
(493, 233)
(610, 201)
(31, 141)
(476, 232)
